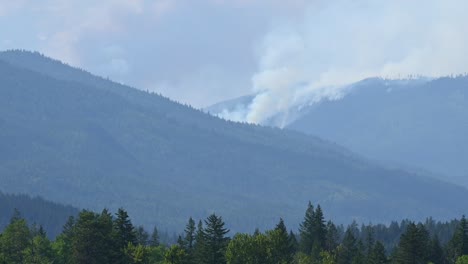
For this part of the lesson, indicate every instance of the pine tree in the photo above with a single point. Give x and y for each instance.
(92, 241)
(124, 229)
(413, 245)
(348, 248)
(458, 245)
(40, 249)
(306, 230)
(63, 243)
(333, 237)
(281, 250)
(378, 255)
(199, 249)
(293, 244)
(436, 254)
(154, 240)
(190, 230)
(320, 229)
(142, 237)
(216, 241)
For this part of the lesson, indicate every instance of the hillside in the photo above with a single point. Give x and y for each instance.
(422, 126)
(416, 124)
(51, 216)
(75, 138)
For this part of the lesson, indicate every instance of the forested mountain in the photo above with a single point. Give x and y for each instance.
(51, 216)
(75, 138)
(416, 123)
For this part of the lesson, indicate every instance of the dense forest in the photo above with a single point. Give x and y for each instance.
(106, 238)
(51, 216)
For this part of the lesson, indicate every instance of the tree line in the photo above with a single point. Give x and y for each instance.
(106, 238)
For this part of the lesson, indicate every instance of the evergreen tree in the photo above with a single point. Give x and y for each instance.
(378, 254)
(348, 248)
(63, 243)
(92, 241)
(40, 249)
(154, 240)
(293, 244)
(281, 250)
(319, 233)
(124, 229)
(175, 255)
(320, 229)
(216, 241)
(413, 245)
(15, 240)
(306, 230)
(332, 238)
(190, 232)
(200, 247)
(458, 245)
(436, 253)
(369, 241)
(142, 237)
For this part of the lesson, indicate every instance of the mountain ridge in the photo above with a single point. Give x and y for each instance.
(80, 143)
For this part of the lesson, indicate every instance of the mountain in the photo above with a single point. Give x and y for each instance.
(75, 138)
(51, 216)
(418, 124)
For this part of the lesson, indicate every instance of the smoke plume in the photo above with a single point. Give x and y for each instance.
(310, 59)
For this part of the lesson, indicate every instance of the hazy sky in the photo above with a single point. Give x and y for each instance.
(203, 51)
(196, 51)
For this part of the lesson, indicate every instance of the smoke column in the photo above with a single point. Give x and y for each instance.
(334, 43)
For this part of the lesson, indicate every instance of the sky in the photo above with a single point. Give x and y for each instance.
(203, 51)
(194, 51)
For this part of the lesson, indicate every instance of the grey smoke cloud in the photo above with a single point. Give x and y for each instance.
(335, 43)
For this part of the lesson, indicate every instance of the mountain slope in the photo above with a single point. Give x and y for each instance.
(419, 124)
(80, 139)
(51, 216)
(423, 125)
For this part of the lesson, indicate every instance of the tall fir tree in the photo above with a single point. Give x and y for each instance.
(154, 240)
(216, 240)
(436, 254)
(142, 236)
(281, 250)
(348, 248)
(458, 245)
(319, 233)
(306, 230)
(413, 246)
(190, 232)
(124, 229)
(200, 246)
(378, 256)
(332, 238)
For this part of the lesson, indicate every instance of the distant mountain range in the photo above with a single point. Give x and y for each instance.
(79, 139)
(420, 124)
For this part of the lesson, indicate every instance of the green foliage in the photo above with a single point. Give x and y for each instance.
(154, 241)
(462, 260)
(175, 255)
(413, 246)
(215, 240)
(51, 216)
(15, 240)
(458, 245)
(136, 254)
(94, 238)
